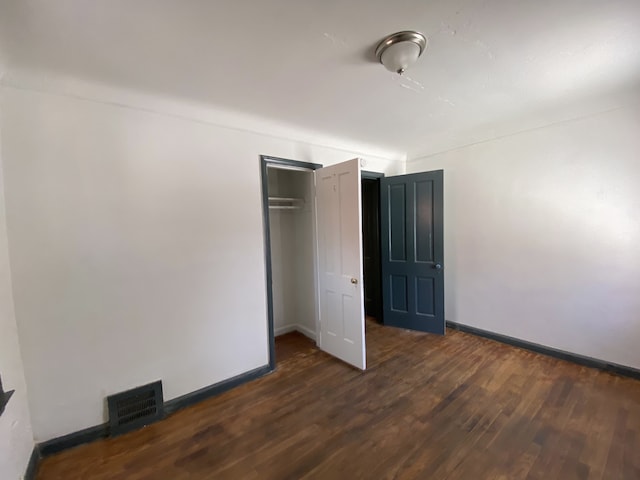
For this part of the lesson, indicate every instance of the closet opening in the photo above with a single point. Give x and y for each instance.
(371, 245)
(289, 232)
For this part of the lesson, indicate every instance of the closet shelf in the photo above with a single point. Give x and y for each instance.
(286, 203)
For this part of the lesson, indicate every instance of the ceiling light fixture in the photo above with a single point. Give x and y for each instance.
(400, 50)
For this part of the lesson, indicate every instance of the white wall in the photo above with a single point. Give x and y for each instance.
(16, 438)
(305, 264)
(136, 249)
(542, 235)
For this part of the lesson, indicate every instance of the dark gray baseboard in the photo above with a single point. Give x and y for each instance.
(74, 439)
(32, 467)
(549, 351)
(92, 434)
(189, 399)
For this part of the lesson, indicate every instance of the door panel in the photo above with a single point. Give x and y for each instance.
(413, 251)
(339, 227)
(397, 222)
(399, 293)
(424, 221)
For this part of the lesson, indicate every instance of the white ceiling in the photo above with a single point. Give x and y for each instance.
(492, 67)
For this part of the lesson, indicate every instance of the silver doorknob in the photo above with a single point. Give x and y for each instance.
(438, 266)
(354, 281)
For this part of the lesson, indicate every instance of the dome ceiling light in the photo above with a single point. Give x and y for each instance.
(399, 51)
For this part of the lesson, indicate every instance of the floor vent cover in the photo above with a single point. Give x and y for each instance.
(135, 408)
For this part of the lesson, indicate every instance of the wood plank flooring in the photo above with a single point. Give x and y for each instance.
(428, 407)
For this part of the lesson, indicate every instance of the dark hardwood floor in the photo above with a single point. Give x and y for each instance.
(428, 407)
(290, 345)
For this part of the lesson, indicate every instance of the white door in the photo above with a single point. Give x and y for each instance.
(339, 233)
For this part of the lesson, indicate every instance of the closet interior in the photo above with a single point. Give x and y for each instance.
(291, 231)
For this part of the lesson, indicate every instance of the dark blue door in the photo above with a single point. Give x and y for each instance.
(413, 251)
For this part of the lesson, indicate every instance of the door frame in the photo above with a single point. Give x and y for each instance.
(375, 177)
(367, 175)
(265, 161)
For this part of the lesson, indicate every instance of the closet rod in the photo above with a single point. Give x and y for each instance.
(284, 207)
(286, 199)
(288, 167)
